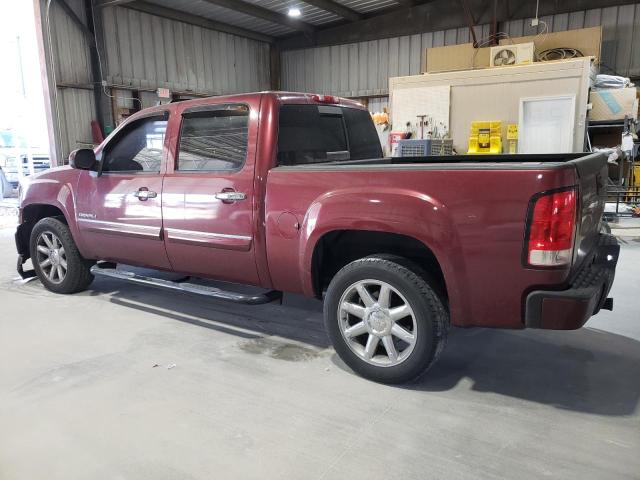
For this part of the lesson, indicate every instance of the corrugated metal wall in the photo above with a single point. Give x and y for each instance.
(146, 51)
(377, 104)
(73, 107)
(361, 69)
(143, 51)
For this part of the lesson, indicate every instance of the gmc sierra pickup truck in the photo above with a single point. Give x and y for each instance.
(290, 192)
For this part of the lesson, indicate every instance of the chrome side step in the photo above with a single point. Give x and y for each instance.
(186, 287)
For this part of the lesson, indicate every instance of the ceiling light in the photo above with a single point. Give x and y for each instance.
(294, 12)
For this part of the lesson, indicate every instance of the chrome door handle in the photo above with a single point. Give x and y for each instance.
(144, 194)
(231, 196)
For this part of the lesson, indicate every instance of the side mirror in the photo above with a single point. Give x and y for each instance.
(83, 159)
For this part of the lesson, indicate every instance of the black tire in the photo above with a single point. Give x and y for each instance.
(78, 276)
(431, 316)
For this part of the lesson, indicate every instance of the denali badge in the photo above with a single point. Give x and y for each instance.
(90, 216)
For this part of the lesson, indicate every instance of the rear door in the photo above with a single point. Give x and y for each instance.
(119, 212)
(208, 194)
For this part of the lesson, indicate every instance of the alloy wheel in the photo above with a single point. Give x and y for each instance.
(377, 322)
(51, 257)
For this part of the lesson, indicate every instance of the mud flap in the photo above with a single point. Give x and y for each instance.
(22, 245)
(24, 274)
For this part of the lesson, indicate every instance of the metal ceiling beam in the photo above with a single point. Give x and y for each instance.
(338, 9)
(408, 3)
(180, 16)
(110, 3)
(265, 14)
(433, 16)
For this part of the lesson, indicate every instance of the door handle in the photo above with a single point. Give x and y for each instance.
(144, 194)
(230, 196)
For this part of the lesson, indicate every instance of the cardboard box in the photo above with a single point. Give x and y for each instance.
(465, 57)
(613, 104)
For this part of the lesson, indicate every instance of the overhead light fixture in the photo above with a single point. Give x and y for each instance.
(294, 12)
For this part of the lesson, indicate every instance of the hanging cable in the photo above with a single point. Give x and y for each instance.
(560, 53)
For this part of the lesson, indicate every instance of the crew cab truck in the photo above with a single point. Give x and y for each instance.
(290, 192)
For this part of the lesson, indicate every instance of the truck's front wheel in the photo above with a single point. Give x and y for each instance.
(384, 319)
(56, 259)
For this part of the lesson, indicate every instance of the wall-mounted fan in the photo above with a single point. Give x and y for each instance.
(505, 55)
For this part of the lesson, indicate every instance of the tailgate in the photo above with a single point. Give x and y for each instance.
(592, 189)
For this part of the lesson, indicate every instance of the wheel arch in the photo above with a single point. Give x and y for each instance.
(29, 216)
(337, 248)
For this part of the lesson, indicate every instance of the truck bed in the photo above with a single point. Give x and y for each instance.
(470, 210)
(467, 160)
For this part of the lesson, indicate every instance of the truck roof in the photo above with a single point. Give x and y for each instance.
(278, 96)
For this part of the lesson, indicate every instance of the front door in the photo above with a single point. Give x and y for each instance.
(120, 211)
(208, 194)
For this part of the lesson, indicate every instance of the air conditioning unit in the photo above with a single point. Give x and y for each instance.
(518, 54)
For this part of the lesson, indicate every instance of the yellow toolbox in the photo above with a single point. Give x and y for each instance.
(485, 138)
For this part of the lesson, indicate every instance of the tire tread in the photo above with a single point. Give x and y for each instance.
(79, 278)
(420, 280)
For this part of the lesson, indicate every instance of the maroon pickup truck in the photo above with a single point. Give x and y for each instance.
(290, 192)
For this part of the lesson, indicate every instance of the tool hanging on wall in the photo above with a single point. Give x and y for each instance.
(421, 123)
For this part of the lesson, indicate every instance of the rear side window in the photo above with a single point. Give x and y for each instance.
(363, 137)
(322, 133)
(214, 139)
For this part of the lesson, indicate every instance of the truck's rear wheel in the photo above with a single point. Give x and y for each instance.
(56, 259)
(384, 320)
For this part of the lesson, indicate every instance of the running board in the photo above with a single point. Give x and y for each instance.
(186, 287)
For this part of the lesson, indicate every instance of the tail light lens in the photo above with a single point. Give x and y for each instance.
(552, 230)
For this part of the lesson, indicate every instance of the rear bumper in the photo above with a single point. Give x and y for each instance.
(570, 309)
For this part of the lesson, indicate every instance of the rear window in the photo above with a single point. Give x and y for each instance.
(325, 133)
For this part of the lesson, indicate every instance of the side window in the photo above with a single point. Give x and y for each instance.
(213, 139)
(311, 134)
(363, 137)
(138, 147)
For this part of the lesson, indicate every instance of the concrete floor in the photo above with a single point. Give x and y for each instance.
(256, 393)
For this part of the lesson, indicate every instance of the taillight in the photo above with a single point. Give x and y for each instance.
(551, 229)
(324, 99)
